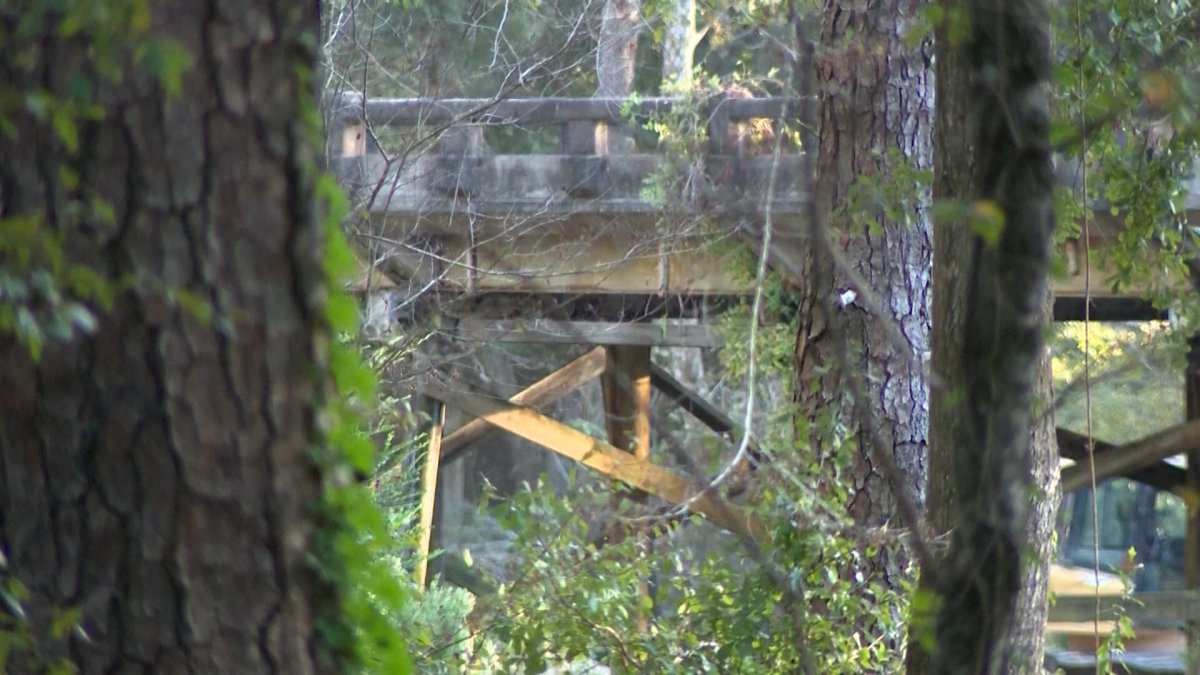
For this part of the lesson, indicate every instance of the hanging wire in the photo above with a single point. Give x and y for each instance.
(1087, 322)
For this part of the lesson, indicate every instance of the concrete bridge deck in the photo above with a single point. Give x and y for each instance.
(593, 214)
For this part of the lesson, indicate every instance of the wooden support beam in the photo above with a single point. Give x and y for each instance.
(1154, 609)
(656, 334)
(429, 478)
(601, 456)
(1160, 475)
(541, 393)
(712, 417)
(626, 388)
(1121, 460)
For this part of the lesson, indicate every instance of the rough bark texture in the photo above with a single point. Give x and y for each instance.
(993, 465)
(679, 43)
(1026, 636)
(616, 59)
(157, 473)
(875, 119)
(616, 49)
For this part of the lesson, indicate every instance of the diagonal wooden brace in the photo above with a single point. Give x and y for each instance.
(601, 456)
(701, 409)
(1159, 475)
(543, 392)
(1124, 459)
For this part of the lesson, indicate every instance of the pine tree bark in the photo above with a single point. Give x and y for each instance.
(679, 43)
(157, 473)
(616, 63)
(616, 48)
(875, 122)
(993, 467)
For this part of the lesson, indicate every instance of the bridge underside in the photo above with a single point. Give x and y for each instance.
(630, 266)
(584, 247)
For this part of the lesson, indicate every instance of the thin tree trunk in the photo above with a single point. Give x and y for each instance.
(616, 48)
(679, 44)
(616, 61)
(1027, 632)
(993, 464)
(875, 126)
(156, 474)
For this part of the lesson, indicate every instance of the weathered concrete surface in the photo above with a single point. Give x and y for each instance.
(593, 223)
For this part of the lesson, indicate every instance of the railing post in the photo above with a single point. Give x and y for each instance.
(352, 151)
(459, 155)
(586, 143)
(584, 137)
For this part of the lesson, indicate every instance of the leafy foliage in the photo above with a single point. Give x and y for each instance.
(1133, 366)
(1127, 102)
(709, 608)
(566, 600)
(356, 533)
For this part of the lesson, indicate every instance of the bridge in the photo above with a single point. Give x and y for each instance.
(621, 240)
(584, 216)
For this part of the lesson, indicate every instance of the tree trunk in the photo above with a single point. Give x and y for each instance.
(679, 44)
(156, 473)
(1027, 632)
(875, 125)
(616, 60)
(616, 48)
(993, 464)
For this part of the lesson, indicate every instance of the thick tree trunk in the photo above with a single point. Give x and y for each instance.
(875, 128)
(993, 464)
(157, 473)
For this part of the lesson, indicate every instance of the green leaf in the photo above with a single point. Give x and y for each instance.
(192, 303)
(340, 261)
(987, 221)
(950, 212)
(168, 61)
(342, 312)
(64, 126)
(65, 621)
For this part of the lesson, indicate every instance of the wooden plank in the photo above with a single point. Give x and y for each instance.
(541, 393)
(429, 479)
(655, 334)
(711, 416)
(694, 403)
(601, 456)
(1160, 608)
(1160, 475)
(1139, 454)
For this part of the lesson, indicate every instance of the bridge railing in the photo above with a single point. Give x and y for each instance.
(459, 162)
(453, 186)
(584, 122)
